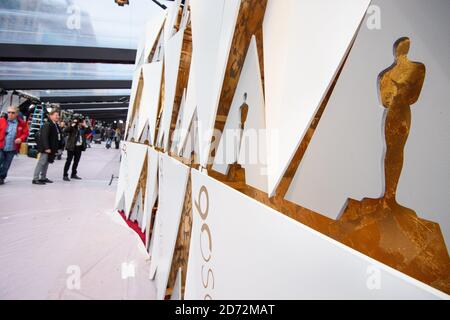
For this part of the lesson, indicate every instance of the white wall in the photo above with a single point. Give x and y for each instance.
(251, 152)
(254, 252)
(172, 56)
(213, 24)
(151, 190)
(304, 44)
(150, 98)
(173, 177)
(132, 161)
(345, 157)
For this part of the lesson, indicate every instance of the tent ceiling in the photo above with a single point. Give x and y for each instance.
(99, 23)
(64, 71)
(72, 52)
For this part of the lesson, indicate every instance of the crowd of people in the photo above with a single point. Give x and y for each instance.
(52, 139)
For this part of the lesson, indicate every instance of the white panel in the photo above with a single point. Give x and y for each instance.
(299, 67)
(155, 238)
(213, 24)
(173, 177)
(150, 243)
(177, 132)
(172, 55)
(345, 157)
(150, 98)
(137, 209)
(189, 107)
(186, 15)
(254, 160)
(134, 87)
(132, 131)
(133, 212)
(172, 14)
(120, 201)
(244, 250)
(140, 215)
(134, 155)
(140, 53)
(159, 53)
(151, 190)
(176, 293)
(145, 133)
(152, 30)
(191, 144)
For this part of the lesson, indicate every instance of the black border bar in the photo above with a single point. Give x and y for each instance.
(52, 53)
(85, 99)
(64, 84)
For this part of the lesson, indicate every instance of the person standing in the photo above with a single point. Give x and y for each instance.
(88, 133)
(76, 144)
(48, 145)
(117, 138)
(109, 137)
(103, 133)
(62, 142)
(13, 131)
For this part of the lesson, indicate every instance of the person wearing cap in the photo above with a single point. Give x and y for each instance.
(13, 132)
(48, 145)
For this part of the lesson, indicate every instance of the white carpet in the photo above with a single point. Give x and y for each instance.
(50, 233)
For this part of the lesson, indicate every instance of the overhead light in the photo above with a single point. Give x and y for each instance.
(120, 121)
(115, 121)
(122, 2)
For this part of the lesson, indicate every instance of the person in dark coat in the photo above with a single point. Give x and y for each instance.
(76, 144)
(48, 144)
(109, 137)
(117, 138)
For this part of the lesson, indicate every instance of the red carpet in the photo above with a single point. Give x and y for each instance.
(134, 226)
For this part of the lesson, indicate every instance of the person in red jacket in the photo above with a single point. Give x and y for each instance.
(13, 131)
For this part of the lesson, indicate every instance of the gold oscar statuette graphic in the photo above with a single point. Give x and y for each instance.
(236, 172)
(400, 87)
(391, 232)
(379, 228)
(243, 109)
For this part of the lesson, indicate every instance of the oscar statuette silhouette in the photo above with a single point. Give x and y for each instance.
(382, 228)
(236, 172)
